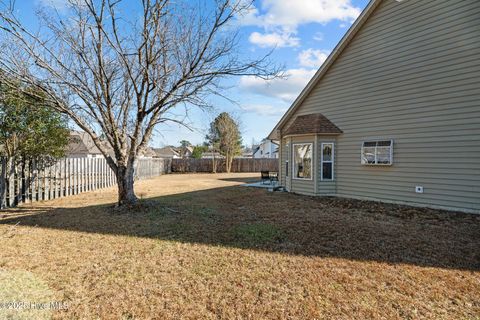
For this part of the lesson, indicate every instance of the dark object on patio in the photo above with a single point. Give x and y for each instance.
(269, 176)
(273, 177)
(265, 175)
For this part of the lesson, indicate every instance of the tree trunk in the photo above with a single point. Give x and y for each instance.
(214, 164)
(125, 180)
(228, 162)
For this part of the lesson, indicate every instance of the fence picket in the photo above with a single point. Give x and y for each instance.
(38, 180)
(238, 165)
(3, 181)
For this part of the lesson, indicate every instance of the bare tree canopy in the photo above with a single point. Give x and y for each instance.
(119, 77)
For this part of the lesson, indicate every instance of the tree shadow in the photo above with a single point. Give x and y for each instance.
(285, 223)
(244, 180)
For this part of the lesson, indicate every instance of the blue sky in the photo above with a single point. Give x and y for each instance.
(302, 34)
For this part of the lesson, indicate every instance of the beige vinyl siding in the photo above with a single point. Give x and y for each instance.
(411, 74)
(303, 186)
(282, 158)
(288, 155)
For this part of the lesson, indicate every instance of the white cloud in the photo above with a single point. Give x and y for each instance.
(274, 39)
(312, 58)
(285, 89)
(281, 18)
(266, 109)
(289, 14)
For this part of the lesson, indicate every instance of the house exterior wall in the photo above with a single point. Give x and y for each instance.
(411, 74)
(316, 186)
(284, 151)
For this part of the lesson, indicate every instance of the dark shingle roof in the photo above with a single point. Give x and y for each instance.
(312, 124)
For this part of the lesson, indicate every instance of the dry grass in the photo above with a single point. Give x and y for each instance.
(203, 247)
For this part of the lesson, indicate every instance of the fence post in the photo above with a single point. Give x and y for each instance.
(102, 185)
(3, 182)
(18, 184)
(32, 180)
(55, 180)
(51, 184)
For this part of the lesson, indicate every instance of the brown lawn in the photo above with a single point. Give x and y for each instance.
(203, 247)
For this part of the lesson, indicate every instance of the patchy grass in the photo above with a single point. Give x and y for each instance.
(257, 234)
(200, 246)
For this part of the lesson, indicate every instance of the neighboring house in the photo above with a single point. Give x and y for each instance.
(148, 153)
(211, 155)
(185, 152)
(247, 153)
(81, 145)
(266, 149)
(394, 112)
(173, 153)
(167, 152)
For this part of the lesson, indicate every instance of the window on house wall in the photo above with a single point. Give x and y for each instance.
(286, 168)
(327, 161)
(377, 152)
(302, 161)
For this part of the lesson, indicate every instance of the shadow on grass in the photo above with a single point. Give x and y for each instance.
(284, 223)
(244, 180)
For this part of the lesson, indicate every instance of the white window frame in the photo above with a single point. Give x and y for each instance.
(294, 171)
(376, 146)
(330, 161)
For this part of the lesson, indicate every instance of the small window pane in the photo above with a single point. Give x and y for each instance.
(327, 152)
(327, 172)
(383, 155)
(384, 143)
(368, 155)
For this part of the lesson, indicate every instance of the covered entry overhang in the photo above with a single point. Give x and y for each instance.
(312, 124)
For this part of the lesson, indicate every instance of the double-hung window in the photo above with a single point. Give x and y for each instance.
(302, 161)
(327, 161)
(377, 152)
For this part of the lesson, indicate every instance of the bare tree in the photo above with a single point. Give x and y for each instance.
(118, 77)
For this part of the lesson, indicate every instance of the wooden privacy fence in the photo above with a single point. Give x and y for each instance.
(238, 165)
(36, 180)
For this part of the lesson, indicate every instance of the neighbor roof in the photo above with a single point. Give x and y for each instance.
(315, 123)
(81, 143)
(149, 152)
(326, 65)
(165, 152)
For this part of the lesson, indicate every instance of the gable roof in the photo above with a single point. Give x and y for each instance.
(312, 124)
(148, 152)
(327, 64)
(81, 143)
(166, 152)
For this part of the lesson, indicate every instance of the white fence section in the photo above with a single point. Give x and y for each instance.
(36, 180)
